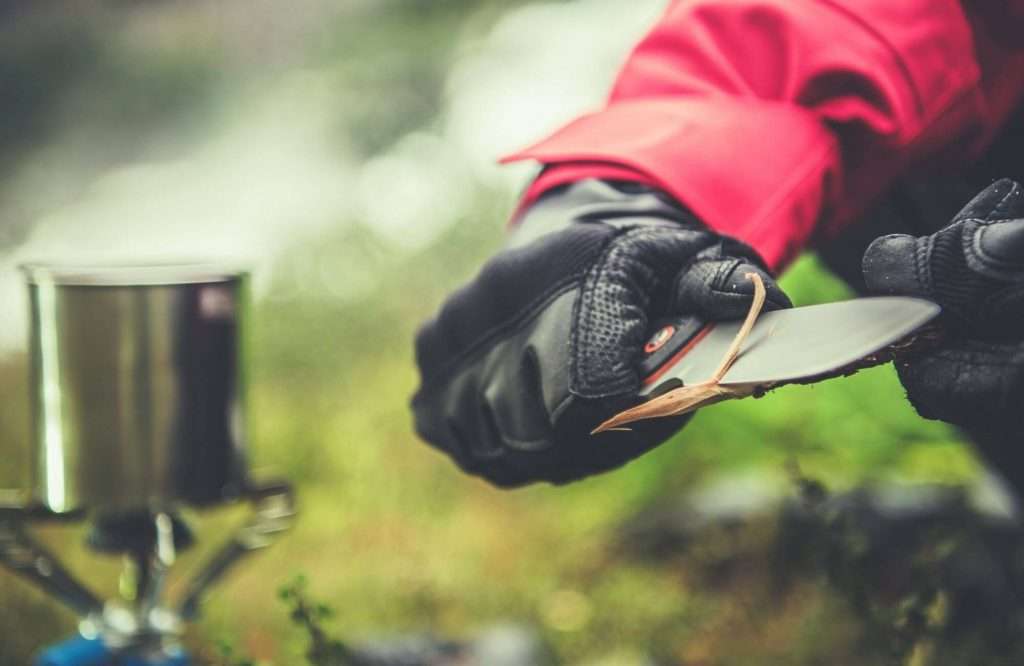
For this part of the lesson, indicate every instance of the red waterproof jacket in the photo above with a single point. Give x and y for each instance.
(779, 121)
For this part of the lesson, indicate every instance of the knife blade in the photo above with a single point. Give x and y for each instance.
(784, 345)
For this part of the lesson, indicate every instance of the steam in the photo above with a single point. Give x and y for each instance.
(273, 170)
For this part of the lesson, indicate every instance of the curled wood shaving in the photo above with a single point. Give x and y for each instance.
(689, 398)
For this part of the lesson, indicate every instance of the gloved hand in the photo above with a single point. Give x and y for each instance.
(524, 361)
(974, 269)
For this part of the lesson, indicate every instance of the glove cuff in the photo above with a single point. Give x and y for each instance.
(616, 203)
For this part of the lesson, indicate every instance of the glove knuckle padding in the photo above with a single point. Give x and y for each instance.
(997, 201)
(898, 265)
(973, 268)
(997, 249)
(714, 286)
(694, 290)
(611, 320)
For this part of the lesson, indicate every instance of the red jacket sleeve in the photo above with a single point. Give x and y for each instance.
(777, 120)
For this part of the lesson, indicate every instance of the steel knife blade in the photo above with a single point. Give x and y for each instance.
(784, 346)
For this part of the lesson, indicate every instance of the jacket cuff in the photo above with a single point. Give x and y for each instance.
(566, 173)
(760, 172)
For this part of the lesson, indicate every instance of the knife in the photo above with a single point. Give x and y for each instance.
(784, 346)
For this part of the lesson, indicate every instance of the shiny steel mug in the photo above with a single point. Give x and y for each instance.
(137, 386)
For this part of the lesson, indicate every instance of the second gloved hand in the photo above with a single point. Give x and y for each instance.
(525, 360)
(974, 269)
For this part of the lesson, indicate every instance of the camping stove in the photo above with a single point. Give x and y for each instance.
(138, 408)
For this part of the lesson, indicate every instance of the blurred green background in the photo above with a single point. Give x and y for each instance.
(345, 150)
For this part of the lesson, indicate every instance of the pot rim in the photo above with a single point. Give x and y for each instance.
(130, 275)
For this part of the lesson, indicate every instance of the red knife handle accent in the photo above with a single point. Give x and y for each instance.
(671, 340)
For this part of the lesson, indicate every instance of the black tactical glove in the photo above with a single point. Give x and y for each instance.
(543, 345)
(974, 269)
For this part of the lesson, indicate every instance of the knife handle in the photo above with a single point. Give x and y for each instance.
(673, 337)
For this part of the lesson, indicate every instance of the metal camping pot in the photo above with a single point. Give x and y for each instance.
(137, 386)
